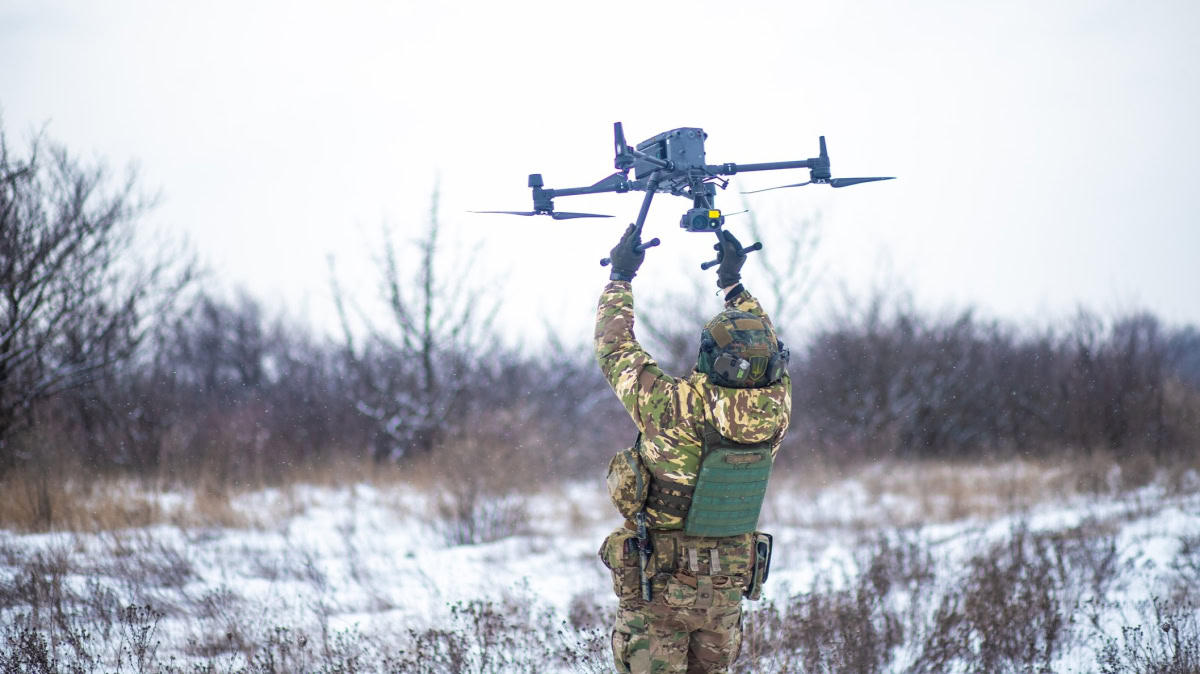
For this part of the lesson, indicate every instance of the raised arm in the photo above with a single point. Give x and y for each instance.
(648, 393)
(740, 299)
(731, 257)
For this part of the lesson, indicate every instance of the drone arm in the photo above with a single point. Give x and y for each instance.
(660, 163)
(591, 189)
(731, 169)
(601, 187)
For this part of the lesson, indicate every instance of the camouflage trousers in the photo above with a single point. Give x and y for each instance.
(653, 638)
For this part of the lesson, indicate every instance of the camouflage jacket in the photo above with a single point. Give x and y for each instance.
(671, 412)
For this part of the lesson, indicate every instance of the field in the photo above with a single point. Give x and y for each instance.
(1083, 566)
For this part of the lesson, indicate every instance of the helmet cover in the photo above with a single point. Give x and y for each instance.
(740, 350)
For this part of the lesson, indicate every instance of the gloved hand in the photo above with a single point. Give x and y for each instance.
(626, 256)
(731, 257)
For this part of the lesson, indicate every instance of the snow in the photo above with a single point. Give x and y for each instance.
(369, 558)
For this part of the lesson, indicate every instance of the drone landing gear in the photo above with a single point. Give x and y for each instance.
(651, 186)
(712, 263)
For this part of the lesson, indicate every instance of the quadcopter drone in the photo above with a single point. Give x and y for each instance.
(673, 163)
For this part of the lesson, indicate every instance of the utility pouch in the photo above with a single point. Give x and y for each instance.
(628, 481)
(760, 564)
(619, 553)
(685, 591)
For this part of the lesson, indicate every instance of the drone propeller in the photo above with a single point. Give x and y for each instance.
(557, 215)
(778, 187)
(564, 215)
(832, 182)
(846, 182)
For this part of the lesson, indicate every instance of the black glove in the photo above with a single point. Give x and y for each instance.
(731, 257)
(626, 256)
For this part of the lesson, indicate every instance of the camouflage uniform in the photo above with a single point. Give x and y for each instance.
(693, 623)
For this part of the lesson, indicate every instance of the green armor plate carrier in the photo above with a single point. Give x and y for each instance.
(729, 488)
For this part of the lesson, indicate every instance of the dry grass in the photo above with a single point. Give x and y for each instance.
(917, 492)
(37, 502)
(478, 489)
(1014, 604)
(470, 491)
(63, 630)
(1018, 605)
(71, 498)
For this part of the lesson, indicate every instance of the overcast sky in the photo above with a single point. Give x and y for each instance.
(1047, 152)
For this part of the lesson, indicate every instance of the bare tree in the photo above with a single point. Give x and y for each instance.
(793, 275)
(415, 371)
(74, 297)
(234, 390)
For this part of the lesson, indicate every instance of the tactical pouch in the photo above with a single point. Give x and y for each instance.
(684, 591)
(628, 481)
(619, 552)
(760, 563)
(703, 572)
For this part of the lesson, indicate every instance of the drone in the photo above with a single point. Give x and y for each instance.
(673, 163)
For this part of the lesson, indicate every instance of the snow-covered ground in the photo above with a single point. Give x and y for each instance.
(372, 562)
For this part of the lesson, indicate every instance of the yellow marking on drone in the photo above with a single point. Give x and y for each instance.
(714, 214)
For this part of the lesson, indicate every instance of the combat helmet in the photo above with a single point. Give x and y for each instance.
(739, 350)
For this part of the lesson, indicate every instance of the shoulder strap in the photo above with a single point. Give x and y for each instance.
(711, 439)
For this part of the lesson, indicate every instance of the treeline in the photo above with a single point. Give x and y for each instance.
(110, 360)
(891, 379)
(224, 389)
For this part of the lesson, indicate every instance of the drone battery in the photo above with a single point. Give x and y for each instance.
(682, 147)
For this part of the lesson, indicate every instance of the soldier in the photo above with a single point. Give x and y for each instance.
(692, 485)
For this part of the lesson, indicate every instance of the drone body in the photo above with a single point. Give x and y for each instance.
(673, 162)
(682, 148)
